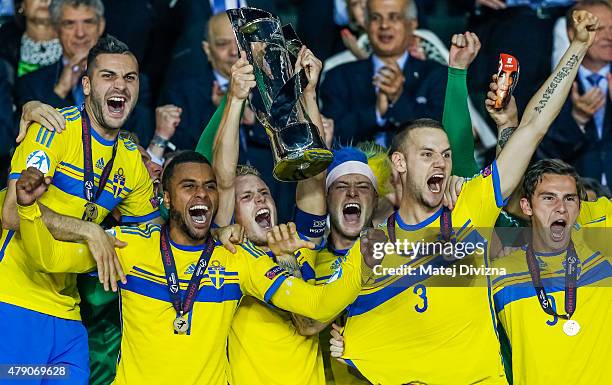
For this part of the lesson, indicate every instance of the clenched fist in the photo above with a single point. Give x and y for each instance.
(31, 185)
(369, 239)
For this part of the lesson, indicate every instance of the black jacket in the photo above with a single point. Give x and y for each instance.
(349, 98)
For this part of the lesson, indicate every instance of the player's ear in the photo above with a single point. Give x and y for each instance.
(86, 82)
(166, 200)
(206, 48)
(399, 162)
(526, 206)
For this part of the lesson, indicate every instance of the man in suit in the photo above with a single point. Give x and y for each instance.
(582, 133)
(199, 93)
(80, 23)
(367, 98)
(187, 57)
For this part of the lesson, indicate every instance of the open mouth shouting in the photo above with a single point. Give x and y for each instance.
(116, 106)
(557, 230)
(434, 183)
(351, 212)
(263, 218)
(199, 214)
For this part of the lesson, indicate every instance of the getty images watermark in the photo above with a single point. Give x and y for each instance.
(442, 254)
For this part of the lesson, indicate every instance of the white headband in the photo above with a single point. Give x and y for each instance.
(350, 167)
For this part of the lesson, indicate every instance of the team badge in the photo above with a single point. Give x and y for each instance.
(216, 273)
(118, 182)
(273, 272)
(39, 160)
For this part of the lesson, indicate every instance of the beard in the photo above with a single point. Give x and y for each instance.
(177, 218)
(257, 240)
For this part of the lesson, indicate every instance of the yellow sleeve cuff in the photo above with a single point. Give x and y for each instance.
(30, 212)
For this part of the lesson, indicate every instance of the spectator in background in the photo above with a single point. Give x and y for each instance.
(367, 98)
(355, 39)
(581, 135)
(79, 23)
(187, 56)
(522, 28)
(29, 41)
(199, 94)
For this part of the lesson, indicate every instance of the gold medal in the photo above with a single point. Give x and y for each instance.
(91, 212)
(181, 325)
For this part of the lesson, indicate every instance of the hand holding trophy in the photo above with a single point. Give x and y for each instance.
(298, 149)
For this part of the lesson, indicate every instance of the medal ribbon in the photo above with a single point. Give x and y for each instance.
(88, 174)
(183, 305)
(446, 226)
(571, 278)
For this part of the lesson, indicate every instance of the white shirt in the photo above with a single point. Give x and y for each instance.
(221, 80)
(229, 4)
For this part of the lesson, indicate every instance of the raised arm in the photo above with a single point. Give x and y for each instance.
(207, 139)
(310, 193)
(226, 145)
(544, 106)
(456, 118)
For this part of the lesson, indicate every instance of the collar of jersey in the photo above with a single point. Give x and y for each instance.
(404, 226)
(187, 248)
(549, 254)
(101, 140)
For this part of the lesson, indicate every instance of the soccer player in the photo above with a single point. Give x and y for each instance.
(93, 171)
(182, 289)
(419, 327)
(553, 300)
(261, 334)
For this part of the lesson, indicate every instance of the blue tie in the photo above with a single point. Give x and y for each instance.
(218, 6)
(594, 79)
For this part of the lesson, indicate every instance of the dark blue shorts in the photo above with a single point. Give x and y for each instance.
(32, 338)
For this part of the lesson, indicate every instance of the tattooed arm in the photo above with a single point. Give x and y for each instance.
(544, 106)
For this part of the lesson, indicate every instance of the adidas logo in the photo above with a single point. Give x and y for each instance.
(190, 269)
(100, 164)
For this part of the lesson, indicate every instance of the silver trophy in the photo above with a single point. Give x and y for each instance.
(299, 151)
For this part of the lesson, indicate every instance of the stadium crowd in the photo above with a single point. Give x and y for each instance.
(458, 236)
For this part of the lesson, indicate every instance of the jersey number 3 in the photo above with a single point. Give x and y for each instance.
(421, 291)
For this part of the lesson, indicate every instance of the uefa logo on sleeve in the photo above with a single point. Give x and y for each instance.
(39, 160)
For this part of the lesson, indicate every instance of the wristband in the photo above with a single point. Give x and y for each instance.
(310, 225)
(159, 141)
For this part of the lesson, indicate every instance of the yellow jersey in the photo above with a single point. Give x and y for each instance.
(420, 322)
(542, 354)
(594, 222)
(265, 348)
(328, 268)
(60, 156)
(151, 352)
(598, 213)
